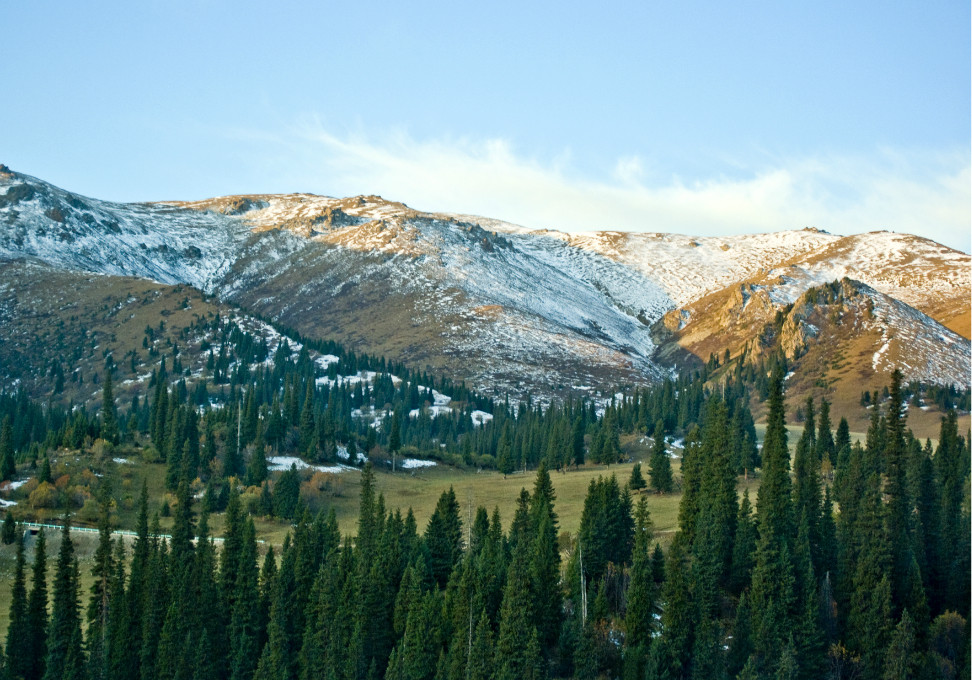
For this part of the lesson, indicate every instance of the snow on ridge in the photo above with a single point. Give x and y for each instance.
(550, 295)
(914, 341)
(689, 268)
(903, 266)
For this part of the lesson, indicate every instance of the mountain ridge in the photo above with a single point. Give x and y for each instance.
(508, 308)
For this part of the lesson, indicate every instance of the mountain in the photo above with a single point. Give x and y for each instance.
(506, 308)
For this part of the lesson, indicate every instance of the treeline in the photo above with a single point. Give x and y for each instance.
(859, 572)
(256, 404)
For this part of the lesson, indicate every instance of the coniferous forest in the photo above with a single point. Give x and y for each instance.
(851, 562)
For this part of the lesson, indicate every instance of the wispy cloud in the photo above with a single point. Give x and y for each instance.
(918, 192)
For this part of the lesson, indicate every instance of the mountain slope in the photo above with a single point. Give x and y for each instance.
(504, 307)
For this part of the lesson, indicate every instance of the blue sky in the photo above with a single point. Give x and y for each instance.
(703, 118)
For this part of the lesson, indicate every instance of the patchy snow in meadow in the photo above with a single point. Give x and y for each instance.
(283, 463)
(342, 453)
(415, 463)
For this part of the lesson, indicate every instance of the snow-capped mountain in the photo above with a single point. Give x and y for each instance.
(505, 307)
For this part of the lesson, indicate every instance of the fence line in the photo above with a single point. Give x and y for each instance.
(95, 530)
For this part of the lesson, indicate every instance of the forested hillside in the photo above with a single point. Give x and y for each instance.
(853, 560)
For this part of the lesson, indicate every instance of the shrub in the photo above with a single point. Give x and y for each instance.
(45, 496)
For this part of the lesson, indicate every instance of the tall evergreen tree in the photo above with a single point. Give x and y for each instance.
(517, 639)
(870, 620)
(417, 653)
(743, 548)
(120, 639)
(659, 466)
(953, 470)
(716, 520)
(806, 487)
(155, 599)
(671, 653)
(639, 618)
(18, 628)
(109, 415)
(244, 619)
(899, 504)
(481, 653)
(37, 612)
(825, 445)
(8, 469)
(773, 597)
(545, 560)
(443, 537)
(279, 659)
(100, 604)
(65, 658)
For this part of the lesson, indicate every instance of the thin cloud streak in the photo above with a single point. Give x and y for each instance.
(920, 193)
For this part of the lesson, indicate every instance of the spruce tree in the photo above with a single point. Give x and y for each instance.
(899, 503)
(65, 658)
(9, 531)
(480, 664)
(45, 472)
(286, 496)
(37, 612)
(8, 469)
(130, 656)
(18, 628)
(743, 547)
(772, 595)
(109, 415)
(155, 599)
(120, 640)
(688, 507)
(504, 452)
(416, 655)
(306, 428)
(717, 510)
(952, 468)
(268, 582)
(395, 433)
(443, 537)
(516, 617)
(245, 602)
(207, 622)
(671, 652)
(825, 445)
(545, 560)
(807, 637)
(902, 661)
(806, 486)
(639, 618)
(100, 604)
(279, 660)
(741, 646)
(256, 472)
(870, 621)
(659, 466)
